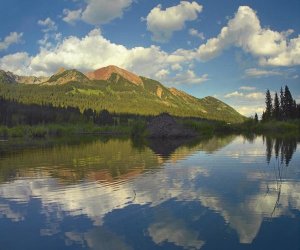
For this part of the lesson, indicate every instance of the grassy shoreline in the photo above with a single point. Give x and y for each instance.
(272, 128)
(57, 130)
(138, 129)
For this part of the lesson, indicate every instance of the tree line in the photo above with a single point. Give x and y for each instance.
(280, 108)
(13, 113)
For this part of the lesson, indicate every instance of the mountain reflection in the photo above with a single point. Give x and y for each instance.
(101, 160)
(184, 196)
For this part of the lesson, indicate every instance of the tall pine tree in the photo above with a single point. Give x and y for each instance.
(256, 118)
(276, 108)
(288, 104)
(269, 106)
(282, 101)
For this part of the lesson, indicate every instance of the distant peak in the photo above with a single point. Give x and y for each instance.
(64, 76)
(60, 70)
(106, 72)
(113, 67)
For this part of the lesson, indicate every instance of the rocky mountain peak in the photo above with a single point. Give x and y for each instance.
(106, 72)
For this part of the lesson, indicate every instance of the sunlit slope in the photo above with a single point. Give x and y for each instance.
(117, 94)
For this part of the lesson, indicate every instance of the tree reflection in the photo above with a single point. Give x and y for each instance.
(282, 148)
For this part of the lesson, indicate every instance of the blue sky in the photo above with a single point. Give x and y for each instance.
(233, 50)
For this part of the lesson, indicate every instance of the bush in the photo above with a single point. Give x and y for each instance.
(201, 127)
(18, 131)
(3, 131)
(138, 129)
(37, 132)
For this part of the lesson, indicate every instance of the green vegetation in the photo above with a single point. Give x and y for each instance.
(50, 130)
(138, 129)
(273, 128)
(284, 109)
(117, 95)
(277, 128)
(70, 103)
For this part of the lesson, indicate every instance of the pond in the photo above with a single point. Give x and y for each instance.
(229, 192)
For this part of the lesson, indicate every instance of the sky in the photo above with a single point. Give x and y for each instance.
(233, 50)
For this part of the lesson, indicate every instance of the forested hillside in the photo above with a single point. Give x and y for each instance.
(117, 94)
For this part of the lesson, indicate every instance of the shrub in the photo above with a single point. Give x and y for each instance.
(138, 129)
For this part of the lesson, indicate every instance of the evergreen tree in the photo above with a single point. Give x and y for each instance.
(104, 118)
(288, 104)
(295, 111)
(282, 101)
(269, 106)
(263, 116)
(298, 111)
(276, 108)
(256, 118)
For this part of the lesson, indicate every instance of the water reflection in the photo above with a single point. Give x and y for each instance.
(113, 194)
(282, 148)
(97, 238)
(168, 228)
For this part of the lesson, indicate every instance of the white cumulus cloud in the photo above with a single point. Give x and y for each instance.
(98, 12)
(246, 101)
(12, 38)
(94, 51)
(162, 74)
(50, 36)
(48, 24)
(196, 33)
(188, 77)
(162, 23)
(71, 16)
(18, 63)
(245, 31)
(250, 110)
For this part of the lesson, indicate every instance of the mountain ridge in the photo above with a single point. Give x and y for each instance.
(115, 91)
(106, 72)
(63, 76)
(9, 77)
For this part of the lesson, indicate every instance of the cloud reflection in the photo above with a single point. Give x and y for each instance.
(244, 196)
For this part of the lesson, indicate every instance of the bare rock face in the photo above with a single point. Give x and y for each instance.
(106, 72)
(165, 126)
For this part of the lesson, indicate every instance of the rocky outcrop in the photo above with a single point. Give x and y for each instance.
(165, 126)
(159, 92)
(106, 72)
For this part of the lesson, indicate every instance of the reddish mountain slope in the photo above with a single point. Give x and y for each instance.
(106, 72)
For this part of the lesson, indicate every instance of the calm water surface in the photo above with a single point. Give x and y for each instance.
(219, 193)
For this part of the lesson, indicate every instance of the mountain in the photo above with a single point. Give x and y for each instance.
(116, 90)
(9, 77)
(106, 73)
(63, 76)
